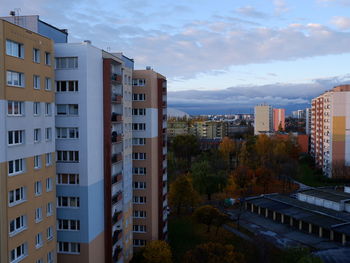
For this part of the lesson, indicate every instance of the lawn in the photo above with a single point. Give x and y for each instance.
(185, 234)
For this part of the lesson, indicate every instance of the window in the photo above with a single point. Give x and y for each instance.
(48, 184)
(67, 178)
(18, 225)
(68, 224)
(139, 141)
(139, 170)
(139, 214)
(67, 109)
(67, 63)
(139, 156)
(36, 108)
(48, 134)
(38, 188)
(139, 199)
(14, 49)
(139, 82)
(48, 159)
(37, 162)
(66, 201)
(67, 133)
(38, 214)
(139, 126)
(15, 137)
(67, 86)
(139, 228)
(15, 108)
(15, 79)
(50, 257)
(68, 156)
(17, 196)
(47, 58)
(39, 260)
(16, 166)
(139, 185)
(139, 97)
(18, 253)
(49, 209)
(36, 82)
(37, 135)
(139, 242)
(68, 247)
(36, 55)
(49, 233)
(48, 83)
(140, 112)
(48, 109)
(39, 240)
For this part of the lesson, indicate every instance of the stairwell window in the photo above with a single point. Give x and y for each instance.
(37, 135)
(36, 108)
(49, 233)
(38, 215)
(38, 189)
(36, 55)
(66, 62)
(14, 49)
(39, 240)
(15, 79)
(48, 83)
(48, 58)
(37, 161)
(48, 159)
(36, 82)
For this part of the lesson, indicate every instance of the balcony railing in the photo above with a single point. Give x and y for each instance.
(117, 235)
(117, 216)
(117, 197)
(117, 98)
(117, 253)
(116, 138)
(164, 104)
(116, 117)
(117, 157)
(117, 178)
(117, 78)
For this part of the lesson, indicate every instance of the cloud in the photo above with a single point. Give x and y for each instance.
(244, 98)
(280, 6)
(341, 22)
(250, 12)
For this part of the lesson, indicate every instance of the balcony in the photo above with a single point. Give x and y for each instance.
(117, 235)
(117, 98)
(164, 104)
(116, 138)
(117, 157)
(117, 178)
(116, 117)
(117, 216)
(117, 253)
(117, 197)
(117, 78)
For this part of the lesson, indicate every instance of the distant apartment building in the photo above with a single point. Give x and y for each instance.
(299, 114)
(27, 148)
(149, 157)
(330, 123)
(263, 119)
(308, 115)
(210, 129)
(177, 127)
(278, 119)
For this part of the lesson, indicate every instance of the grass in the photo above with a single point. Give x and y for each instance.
(185, 234)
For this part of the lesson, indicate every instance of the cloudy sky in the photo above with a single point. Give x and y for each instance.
(219, 56)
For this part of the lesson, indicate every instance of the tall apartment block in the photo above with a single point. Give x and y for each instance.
(330, 129)
(263, 119)
(308, 114)
(94, 154)
(149, 157)
(27, 146)
(278, 119)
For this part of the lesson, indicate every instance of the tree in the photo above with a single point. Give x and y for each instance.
(213, 253)
(185, 147)
(263, 177)
(263, 148)
(243, 179)
(219, 221)
(182, 193)
(206, 180)
(227, 148)
(157, 251)
(206, 215)
(299, 255)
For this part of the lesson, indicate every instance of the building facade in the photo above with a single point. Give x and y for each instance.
(279, 119)
(27, 147)
(330, 123)
(263, 119)
(149, 157)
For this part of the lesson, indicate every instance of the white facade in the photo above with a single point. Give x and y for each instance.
(263, 119)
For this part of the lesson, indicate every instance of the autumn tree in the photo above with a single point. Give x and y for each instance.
(299, 255)
(263, 177)
(213, 253)
(182, 194)
(227, 148)
(219, 221)
(185, 147)
(263, 149)
(157, 251)
(243, 179)
(206, 215)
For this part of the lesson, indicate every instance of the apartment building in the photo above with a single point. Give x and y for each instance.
(308, 114)
(211, 129)
(149, 157)
(279, 119)
(177, 127)
(263, 119)
(94, 149)
(27, 147)
(330, 124)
